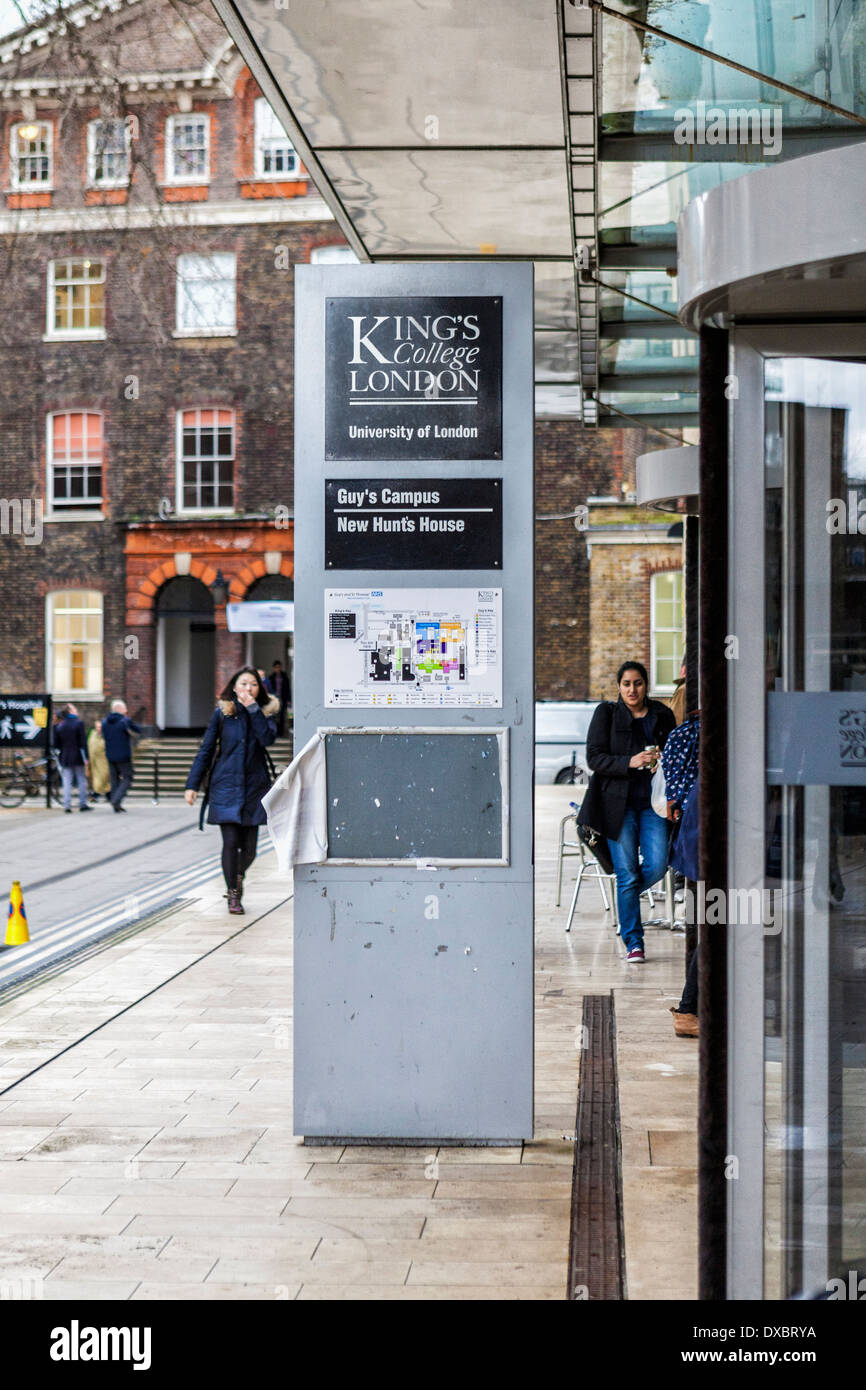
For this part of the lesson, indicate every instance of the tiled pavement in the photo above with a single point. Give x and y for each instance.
(155, 1159)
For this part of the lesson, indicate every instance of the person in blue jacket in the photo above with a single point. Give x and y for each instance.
(70, 742)
(116, 728)
(233, 750)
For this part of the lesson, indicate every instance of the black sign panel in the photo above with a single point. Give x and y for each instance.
(23, 721)
(413, 524)
(417, 377)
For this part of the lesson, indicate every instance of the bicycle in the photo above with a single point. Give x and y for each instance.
(27, 778)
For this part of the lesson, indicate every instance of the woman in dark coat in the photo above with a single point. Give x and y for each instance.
(616, 745)
(241, 727)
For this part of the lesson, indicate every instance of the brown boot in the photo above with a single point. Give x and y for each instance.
(235, 905)
(685, 1025)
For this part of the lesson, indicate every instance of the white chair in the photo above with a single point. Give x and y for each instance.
(568, 848)
(589, 868)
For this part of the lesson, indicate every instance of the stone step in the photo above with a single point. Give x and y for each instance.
(175, 757)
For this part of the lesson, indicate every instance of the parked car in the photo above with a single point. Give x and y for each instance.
(560, 732)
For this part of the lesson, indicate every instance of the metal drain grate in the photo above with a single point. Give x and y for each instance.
(596, 1251)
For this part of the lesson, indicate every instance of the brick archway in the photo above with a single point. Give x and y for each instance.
(242, 582)
(243, 550)
(149, 588)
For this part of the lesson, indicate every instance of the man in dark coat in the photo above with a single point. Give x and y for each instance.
(116, 728)
(277, 684)
(71, 744)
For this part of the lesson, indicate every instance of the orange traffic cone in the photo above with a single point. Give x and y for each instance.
(16, 927)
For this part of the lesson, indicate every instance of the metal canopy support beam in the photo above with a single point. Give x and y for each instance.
(682, 380)
(578, 61)
(643, 328)
(637, 257)
(611, 415)
(659, 147)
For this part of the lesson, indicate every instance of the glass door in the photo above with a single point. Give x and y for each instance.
(797, 824)
(815, 953)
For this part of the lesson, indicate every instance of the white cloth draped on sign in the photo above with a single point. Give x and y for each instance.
(296, 808)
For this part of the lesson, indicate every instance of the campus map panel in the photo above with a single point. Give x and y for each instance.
(431, 648)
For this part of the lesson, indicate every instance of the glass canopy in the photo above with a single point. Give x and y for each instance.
(550, 131)
(673, 124)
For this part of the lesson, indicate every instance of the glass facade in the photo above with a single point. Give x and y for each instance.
(674, 124)
(812, 45)
(815, 943)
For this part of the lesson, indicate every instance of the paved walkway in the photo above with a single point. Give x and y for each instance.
(155, 1159)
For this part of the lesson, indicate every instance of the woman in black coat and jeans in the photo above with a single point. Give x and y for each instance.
(241, 728)
(616, 745)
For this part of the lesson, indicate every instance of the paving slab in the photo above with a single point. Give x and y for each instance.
(157, 1159)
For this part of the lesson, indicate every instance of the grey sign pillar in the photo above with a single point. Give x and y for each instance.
(413, 990)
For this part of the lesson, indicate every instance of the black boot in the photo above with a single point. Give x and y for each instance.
(234, 897)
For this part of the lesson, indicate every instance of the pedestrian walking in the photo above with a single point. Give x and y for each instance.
(235, 766)
(623, 746)
(71, 744)
(116, 728)
(277, 684)
(100, 775)
(678, 699)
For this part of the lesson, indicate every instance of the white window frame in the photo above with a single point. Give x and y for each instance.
(221, 331)
(180, 508)
(79, 505)
(50, 642)
(656, 687)
(34, 185)
(264, 118)
(92, 136)
(54, 335)
(171, 176)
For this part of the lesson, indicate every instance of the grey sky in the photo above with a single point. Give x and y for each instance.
(10, 15)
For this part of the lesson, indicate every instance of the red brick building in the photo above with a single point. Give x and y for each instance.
(151, 215)
(154, 213)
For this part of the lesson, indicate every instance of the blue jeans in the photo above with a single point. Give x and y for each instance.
(66, 776)
(647, 833)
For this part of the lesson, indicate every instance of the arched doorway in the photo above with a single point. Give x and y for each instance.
(264, 648)
(185, 656)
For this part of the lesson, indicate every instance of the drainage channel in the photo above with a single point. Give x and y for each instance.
(596, 1257)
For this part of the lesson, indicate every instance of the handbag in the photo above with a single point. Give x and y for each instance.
(592, 839)
(658, 797)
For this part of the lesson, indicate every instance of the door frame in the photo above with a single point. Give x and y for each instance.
(749, 346)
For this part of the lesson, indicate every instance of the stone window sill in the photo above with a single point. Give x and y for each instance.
(85, 335)
(74, 514)
(189, 333)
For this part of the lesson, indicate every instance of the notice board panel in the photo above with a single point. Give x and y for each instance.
(413, 377)
(433, 794)
(413, 523)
